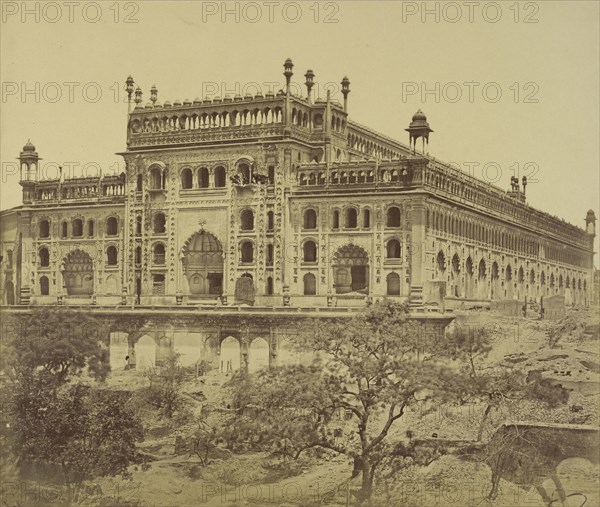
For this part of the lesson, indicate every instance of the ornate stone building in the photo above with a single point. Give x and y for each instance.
(281, 201)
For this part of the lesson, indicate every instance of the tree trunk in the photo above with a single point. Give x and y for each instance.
(367, 482)
(483, 421)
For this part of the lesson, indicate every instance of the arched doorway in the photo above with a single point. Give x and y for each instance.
(508, 282)
(78, 273)
(258, 355)
(495, 291)
(482, 280)
(203, 264)
(351, 270)
(455, 277)
(145, 353)
(469, 278)
(230, 355)
(244, 290)
(9, 293)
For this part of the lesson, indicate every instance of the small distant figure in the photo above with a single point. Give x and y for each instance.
(126, 362)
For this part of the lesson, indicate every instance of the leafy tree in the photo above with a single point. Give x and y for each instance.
(87, 431)
(371, 368)
(59, 341)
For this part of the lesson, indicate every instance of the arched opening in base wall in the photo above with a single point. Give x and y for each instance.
(230, 355)
(189, 346)
(258, 355)
(145, 353)
(118, 350)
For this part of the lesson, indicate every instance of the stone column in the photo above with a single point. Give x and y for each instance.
(418, 217)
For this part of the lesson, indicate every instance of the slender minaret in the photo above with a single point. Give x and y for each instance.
(29, 162)
(345, 91)
(310, 76)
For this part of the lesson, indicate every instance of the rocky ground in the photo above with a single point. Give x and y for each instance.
(566, 351)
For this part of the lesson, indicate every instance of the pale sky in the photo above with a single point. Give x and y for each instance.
(545, 124)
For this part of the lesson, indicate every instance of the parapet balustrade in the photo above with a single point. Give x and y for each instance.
(354, 174)
(205, 121)
(60, 191)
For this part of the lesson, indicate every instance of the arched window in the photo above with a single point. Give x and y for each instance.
(310, 251)
(138, 225)
(367, 218)
(44, 257)
(220, 177)
(270, 220)
(247, 220)
(393, 249)
(44, 286)
(244, 172)
(77, 228)
(351, 218)
(111, 256)
(393, 284)
(310, 284)
(186, 178)
(247, 250)
(44, 229)
(203, 181)
(441, 261)
(270, 254)
(64, 230)
(335, 220)
(111, 226)
(155, 178)
(271, 174)
(159, 253)
(138, 255)
(139, 183)
(310, 219)
(269, 285)
(90, 228)
(393, 217)
(160, 221)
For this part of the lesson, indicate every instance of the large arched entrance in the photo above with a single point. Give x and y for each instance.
(203, 264)
(230, 355)
(258, 355)
(78, 273)
(351, 270)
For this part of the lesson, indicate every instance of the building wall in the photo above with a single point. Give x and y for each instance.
(387, 222)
